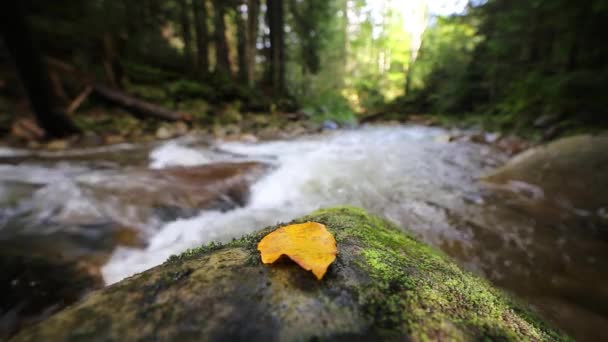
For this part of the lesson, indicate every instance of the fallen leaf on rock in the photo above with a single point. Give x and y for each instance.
(309, 244)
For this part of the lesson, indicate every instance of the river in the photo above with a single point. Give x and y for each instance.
(413, 175)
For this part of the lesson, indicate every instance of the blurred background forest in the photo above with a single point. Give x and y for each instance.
(510, 64)
(236, 81)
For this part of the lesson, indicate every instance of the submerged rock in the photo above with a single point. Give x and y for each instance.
(184, 190)
(571, 171)
(384, 284)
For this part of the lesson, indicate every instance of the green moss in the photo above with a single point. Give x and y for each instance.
(152, 93)
(384, 285)
(194, 253)
(112, 121)
(417, 291)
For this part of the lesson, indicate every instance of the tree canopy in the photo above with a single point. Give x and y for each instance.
(340, 57)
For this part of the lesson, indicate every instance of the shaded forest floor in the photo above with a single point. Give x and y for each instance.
(104, 124)
(228, 114)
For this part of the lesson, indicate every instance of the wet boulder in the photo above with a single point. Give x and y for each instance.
(52, 262)
(572, 172)
(34, 286)
(384, 284)
(182, 191)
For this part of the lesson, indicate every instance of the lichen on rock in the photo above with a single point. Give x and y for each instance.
(384, 284)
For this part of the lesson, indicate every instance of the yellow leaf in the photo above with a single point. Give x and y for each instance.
(309, 244)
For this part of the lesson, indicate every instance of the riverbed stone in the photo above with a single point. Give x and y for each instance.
(384, 284)
(34, 286)
(571, 171)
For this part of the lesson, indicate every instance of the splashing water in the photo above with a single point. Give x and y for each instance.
(414, 176)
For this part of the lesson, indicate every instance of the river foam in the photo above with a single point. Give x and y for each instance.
(380, 169)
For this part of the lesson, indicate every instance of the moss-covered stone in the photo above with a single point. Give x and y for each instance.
(384, 284)
(572, 172)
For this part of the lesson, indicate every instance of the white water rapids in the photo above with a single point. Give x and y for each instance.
(390, 171)
(78, 202)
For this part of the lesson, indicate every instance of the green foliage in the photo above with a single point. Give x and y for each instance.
(527, 58)
(309, 19)
(143, 73)
(379, 53)
(440, 71)
(328, 106)
(185, 89)
(369, 92)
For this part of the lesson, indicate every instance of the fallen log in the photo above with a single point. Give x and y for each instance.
(139, 108)
(79, 100)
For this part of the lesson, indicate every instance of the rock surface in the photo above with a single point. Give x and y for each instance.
(51, 261)
(572, 171)
(33, 287)
(211, 186)
(383, 285)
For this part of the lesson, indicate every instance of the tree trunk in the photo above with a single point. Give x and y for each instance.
(114, 69)
(241, 44)
(202, 35)
(408, 76)
(222, 58)
(186, 31)
(32, 71)
(582, 22)
(253, 13)
(133, 22)
(277, 46)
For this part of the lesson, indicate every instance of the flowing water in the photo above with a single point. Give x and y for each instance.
(414, 176)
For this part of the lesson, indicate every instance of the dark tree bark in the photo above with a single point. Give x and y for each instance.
(241, 44)
(111, 61)
(202, 35)
(305, 29)
(136, 106)
(131, 17)
(32, 71)
(253, 14)
(582, 22)
(222, 58)
(186, 31)
(276, 25)
(153, 9)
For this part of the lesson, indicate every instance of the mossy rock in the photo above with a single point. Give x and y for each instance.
(571, 171)
(384, 284)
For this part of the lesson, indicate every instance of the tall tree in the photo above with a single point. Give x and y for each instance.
(133, 20)
(276, 25)
(241, 42)
(309, 19)
(186, 30)
(253, 14)
(32, 70)
(222, 58)
(202, 35)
